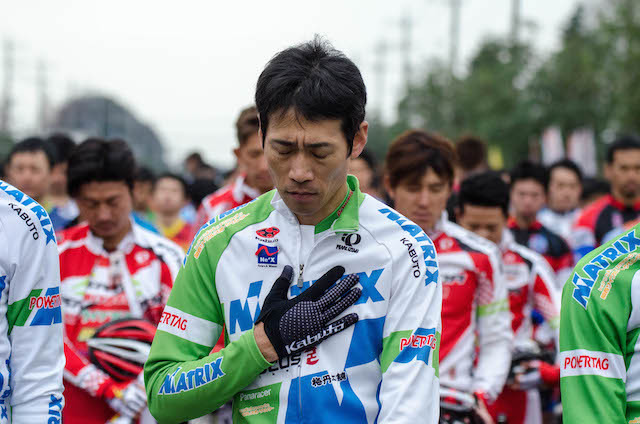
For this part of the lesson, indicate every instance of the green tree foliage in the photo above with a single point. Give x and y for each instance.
(510, 93)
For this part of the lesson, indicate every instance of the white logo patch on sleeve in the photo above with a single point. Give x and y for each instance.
(189, 327)
(587, 362)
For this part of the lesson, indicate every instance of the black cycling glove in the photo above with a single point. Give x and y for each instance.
(299, 323)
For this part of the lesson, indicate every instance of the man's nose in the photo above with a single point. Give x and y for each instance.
(104, 212)
(300, 170)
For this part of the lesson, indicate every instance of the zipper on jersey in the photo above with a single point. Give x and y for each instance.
(300, 279)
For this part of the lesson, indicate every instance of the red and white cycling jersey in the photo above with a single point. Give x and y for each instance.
(228, 197)
(474, 307)
(100, 286)
(531, 284)
(530, 281)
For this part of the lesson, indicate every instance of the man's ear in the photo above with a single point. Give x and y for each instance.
(360, 140)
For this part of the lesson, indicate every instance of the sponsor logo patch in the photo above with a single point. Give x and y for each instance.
(425, 243)
(268, 233)
(38, 210)
(584, 282)
(213, 230)
(349, 240)
(418, 346)
(267, 255)
(323, 380)
(587, 362)
(193, 379)
(47, 306)
(173, 320)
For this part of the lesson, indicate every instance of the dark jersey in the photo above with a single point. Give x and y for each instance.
(600, 222)
(550, 245)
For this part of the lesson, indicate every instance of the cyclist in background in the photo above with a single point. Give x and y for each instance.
(614, 213)
(168, 199)
(110, 268)
(563, 198)
(483, 207)
(31, 358)
(28, 168)
(253, 179)
(529, 182)
(419, 172)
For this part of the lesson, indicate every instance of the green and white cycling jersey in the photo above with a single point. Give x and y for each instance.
(31, 350)
(382, 369)
(599, 328)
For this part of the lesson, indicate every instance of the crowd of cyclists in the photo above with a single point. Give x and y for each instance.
(506, 240)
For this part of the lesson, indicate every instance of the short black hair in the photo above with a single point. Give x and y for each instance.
(33, 145)
(484, 189)
(528, 170)
(566, 164)
(178, 178)
(592, 186)
(99, 160)
(471, 152)
(144, 175)
(315, 80)
(63, 146)
(624, 142)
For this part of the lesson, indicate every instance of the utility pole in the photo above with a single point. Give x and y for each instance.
(380, 70)
(7, 86)
(406, 28)
(454, 34)
(515, 21)
(406, 35)
(43, 98)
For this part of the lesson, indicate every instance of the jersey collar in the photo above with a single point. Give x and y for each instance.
(240, 190)
(621, 206)
(344, 219)
(512, 224)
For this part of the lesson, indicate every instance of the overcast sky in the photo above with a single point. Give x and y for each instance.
(187, 68)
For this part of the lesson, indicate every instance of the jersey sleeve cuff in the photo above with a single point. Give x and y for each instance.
(254, 350)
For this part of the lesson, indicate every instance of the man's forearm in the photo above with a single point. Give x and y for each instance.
(265, 346)
(180, 388)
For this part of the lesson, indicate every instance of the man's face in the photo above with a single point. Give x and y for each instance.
(422, 200)
(485, 221)
(142, 192)
(624, 174)
(106, 207)
(30, 172)
(308, 163)
(527, 198)
(58, 178)
(564, 190)
(252, 162)
(360, 168)
(168, 196)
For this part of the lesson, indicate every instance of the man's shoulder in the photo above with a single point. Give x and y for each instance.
(625, 245)
(470, 242)
(589, 215)
(529, 256)
(223, 194)
(227, 224)
(386, 224)
(23, 218)
(159, 244)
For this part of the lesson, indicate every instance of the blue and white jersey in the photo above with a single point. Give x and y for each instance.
(31, 348)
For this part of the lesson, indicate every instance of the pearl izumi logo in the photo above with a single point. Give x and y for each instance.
(349, 240)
